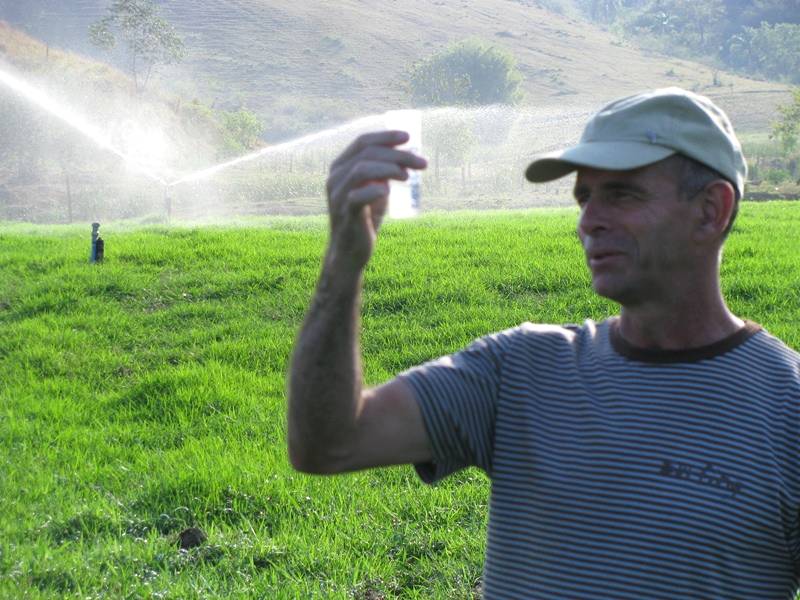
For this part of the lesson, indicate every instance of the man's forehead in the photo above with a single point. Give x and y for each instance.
(589, 173)
(652, 173)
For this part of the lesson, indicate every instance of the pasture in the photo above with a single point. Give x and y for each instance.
(146, 394)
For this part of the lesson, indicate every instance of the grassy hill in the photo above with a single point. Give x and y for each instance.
(305, 64)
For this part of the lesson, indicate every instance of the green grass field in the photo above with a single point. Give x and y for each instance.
(147, 394)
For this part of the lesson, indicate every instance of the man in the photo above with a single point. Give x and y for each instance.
(652, 455)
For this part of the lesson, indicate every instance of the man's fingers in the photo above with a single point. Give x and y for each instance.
(356, 199)
(371, 156)
(392, 155)
(364, 172)
(406, 160)
(378, 138)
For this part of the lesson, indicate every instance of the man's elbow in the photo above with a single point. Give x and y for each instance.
(313, 461)
(305, 463)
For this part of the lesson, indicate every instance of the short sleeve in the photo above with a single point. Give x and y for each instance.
(457, 395)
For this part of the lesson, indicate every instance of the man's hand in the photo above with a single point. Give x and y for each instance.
(358, 192)
(334, 425)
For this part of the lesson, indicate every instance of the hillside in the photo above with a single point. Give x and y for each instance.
(303, 68)
(301, 65)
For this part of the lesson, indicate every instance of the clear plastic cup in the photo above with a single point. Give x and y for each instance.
(404, 196)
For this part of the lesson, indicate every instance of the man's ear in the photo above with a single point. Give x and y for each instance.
(715, 209)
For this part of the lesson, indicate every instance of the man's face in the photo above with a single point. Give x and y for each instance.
(635, 230)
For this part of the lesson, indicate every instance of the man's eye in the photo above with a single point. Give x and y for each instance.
(622, 196)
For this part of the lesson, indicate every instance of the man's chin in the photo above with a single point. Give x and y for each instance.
(608, 289)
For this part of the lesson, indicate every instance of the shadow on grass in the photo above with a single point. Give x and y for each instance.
(54, 580)
(83, 527)
(170, 508)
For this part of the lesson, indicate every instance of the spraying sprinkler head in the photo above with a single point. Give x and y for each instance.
(98, 245)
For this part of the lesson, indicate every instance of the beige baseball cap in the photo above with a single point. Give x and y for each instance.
(639, 130)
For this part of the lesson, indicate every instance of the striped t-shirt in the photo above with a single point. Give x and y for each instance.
(618, 472)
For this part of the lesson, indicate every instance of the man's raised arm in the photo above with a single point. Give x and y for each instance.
(334, 425)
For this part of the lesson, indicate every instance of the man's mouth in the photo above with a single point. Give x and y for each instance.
(600, 258)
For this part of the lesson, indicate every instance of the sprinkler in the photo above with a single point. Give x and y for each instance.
(98, 245)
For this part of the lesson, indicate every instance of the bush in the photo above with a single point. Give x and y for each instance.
(241, 132)
(777, 176)
(470, 73)
(787, 129)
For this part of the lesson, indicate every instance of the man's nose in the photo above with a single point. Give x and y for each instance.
(592, 219)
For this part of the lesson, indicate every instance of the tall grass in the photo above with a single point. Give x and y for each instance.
(146, 394)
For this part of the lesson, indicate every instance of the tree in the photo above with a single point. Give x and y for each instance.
(695, 25)
(241, 131)
(750, 13)
(605, 11)
(470, 73)
(150, 40)
(450, 138)
(770, 50)
(705, 19)
(787, 129)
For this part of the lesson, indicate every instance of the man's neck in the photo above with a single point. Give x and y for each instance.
(677, 327)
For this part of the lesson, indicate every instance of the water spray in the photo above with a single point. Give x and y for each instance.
(306, 139)
(167, 205)
(508, 137)
(74, 120)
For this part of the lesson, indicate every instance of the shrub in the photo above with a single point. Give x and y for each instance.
(777, 176)
(470, 73)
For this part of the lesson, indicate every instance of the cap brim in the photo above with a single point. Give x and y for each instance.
(609, 156)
